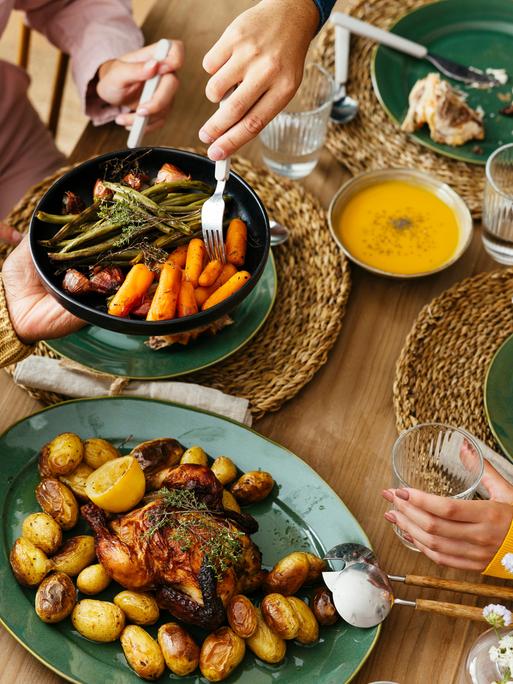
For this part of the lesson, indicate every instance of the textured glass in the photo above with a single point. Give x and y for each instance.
(498, 206)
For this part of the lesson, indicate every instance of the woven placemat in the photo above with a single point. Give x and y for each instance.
(372, 140)
(441, 371)
(313, 287)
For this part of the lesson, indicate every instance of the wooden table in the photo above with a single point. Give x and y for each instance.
(342, 423)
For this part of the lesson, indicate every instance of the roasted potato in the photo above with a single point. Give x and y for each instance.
(317, 567)
(75, 555)
(265, 644)
(93, 579)
(242, 616)
(194, 454)
(323, 607)
(76, 480)
(142, 652)
(230, 502)
(55, 597)
(288, 575)
(224, 469)
(29, 564)
(308, 627)
(98, 620)
(98, 451)
(58, 501)
(62, 455)
(220, 654)
(42, 530)
(140, 608)
(252, 487)
(180, 651)
(156, 454)
(280, 616)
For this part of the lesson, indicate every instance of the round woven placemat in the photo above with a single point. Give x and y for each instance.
(373, 140)
(441, 370)
(313, 287)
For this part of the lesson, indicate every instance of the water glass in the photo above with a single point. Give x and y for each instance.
(292, 141)
(498, 205)
(437, 459)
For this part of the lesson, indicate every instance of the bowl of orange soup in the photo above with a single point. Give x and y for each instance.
(400, 223)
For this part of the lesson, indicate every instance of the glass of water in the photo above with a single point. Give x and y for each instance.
(293, 140)
(498, 205)
(437, 459)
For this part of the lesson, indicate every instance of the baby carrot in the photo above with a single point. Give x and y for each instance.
(194, 262)
(203, 293)
(236, 242)
(230, 287)
(187, 305)
(132, 291)
(210, 273)
(163, 305)
(178, 256)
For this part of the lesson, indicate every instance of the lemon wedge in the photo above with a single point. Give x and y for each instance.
(118, 485)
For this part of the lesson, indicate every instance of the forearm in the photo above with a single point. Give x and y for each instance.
(12, 349)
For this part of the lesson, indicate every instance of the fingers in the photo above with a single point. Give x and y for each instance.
(442, 507)
(218, 54)
(9, 234)
(127, 121)
(163, 97)
(173, 61)
(449, 559)
(227, 77)
(497, 487)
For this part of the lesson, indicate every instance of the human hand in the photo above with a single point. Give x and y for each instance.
(35, 314)
(263, 53)
(457, 533)
(121, 82)
(9, 235)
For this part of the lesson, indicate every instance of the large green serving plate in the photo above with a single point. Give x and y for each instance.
(128, 356)
(471, 32)
(498, 397)
(304, 514)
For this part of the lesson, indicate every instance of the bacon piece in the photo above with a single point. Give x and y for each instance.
(75, 283)
(100, 191)
(106, 280)
(135, 179)
(169, 173)
(72, 203)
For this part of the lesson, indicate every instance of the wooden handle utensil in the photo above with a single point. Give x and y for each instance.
(477, 589)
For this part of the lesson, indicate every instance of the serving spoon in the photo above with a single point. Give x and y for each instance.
(344, 108)
(279, 234)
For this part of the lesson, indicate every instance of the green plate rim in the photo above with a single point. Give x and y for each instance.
(204, 412)
(485, 400)
(168, 376)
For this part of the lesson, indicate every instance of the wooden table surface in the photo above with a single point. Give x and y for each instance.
(342, 423)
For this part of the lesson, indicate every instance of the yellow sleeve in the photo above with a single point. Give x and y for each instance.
(495, 567)
(12, 349)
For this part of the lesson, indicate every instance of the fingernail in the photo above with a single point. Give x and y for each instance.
(205, 137)
(386, 494)
(390, 517)
(403, 494)
(142, 111)
(408, 537)
(216, 153)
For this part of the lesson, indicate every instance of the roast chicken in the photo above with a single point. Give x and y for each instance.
(194, 556)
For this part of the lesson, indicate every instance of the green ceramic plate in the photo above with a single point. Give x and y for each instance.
(471, 32)
(498, 397)
(305, 514)
(128, 356)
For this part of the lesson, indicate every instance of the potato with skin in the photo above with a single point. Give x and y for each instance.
(93, 579)
(195, 455)
(317, 567)
(76, 480)
(220, 654)
(265, 644)
(63, 454)
(323, 607)
(98, 451)
(252, 487)
(288, 575)
(55, 598)
(308, 627)
(280, 616)
(142, 652)
(98, 620)
(242, 616)
(139, 607)
(29, 564)
(42, 530)
(58, 501)
(75, 555)
(180, 651)
(230, 502)
(224, 469)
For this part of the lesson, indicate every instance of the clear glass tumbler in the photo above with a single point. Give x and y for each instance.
(292, 141)
(498, 205)
(437, 459)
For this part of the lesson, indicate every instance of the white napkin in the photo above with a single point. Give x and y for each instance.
(500, 463)
(73, 380)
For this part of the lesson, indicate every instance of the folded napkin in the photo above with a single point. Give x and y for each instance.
(73, 380)
(499, 462)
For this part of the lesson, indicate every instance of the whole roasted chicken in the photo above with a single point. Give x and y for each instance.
(182, 544)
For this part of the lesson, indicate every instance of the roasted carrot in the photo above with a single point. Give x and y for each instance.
(230, 287)
(187, 305)
(163, 305)
(203, 293)
(178, 256)
(194, 263)
(210, 273)
(132, 291)
(236, 242)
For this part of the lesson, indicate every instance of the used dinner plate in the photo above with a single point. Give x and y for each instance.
(471, 32)
(306, 514)
(498, 397)
(128, 356)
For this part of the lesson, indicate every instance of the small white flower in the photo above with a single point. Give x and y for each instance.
(497, 615)
(507, 562)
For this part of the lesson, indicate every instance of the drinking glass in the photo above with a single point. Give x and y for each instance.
(498, 205)
(437, 459)
(292, 141)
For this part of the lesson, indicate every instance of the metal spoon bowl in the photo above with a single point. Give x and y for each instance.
(350, 552)
(344, 108)
(279, 234)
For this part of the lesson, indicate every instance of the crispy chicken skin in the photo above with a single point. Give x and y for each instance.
(184, 580)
